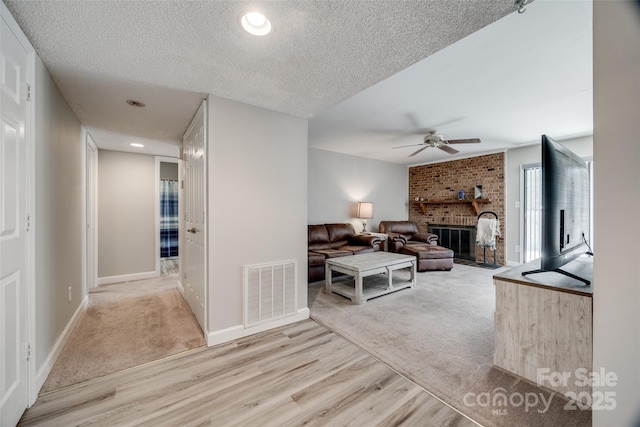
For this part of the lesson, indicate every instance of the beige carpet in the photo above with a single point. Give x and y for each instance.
(125, 325)
(440, 335)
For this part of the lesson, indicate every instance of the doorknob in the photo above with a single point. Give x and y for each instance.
(192, 230)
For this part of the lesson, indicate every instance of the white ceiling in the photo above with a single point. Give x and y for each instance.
(516, 78)
(523, 76)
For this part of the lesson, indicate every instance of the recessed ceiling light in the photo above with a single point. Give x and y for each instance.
(134, 103)
(256, 23)
(135, 144)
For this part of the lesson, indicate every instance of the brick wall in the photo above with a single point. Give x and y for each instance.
(441, 181)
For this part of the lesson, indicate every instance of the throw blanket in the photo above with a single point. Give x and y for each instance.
(488, 229)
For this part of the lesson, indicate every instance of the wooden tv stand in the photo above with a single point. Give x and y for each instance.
(544, 326)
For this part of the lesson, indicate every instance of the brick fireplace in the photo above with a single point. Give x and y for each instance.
(438, 185)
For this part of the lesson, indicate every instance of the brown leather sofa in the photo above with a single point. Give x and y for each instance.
(335, 240)
(403, 233)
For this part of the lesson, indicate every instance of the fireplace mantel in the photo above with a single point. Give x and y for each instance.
(475, 203)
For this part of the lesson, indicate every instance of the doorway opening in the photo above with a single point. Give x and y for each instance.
(168, 220)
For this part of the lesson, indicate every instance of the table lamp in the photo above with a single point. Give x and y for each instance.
(364, 212)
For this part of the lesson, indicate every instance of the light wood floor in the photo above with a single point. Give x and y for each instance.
(301, 374)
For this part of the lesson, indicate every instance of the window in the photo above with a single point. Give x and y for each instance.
(532, 207)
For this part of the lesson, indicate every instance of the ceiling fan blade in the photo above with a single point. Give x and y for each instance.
(423, 148)
(412, 145)
(448, 149)
(463, 141)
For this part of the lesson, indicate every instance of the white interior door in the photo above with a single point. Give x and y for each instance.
(193, 260)
(13, 228)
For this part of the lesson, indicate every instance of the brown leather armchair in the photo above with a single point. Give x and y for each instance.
(335, 240)
(405, 233)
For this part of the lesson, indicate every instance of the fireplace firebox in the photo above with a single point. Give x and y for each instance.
(460, 239)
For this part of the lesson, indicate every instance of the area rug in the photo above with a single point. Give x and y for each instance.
(440, 335)
(125, 325)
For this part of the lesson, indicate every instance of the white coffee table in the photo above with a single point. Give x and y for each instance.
(378, 267)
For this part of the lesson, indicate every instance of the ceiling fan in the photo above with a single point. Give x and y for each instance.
(435, 140)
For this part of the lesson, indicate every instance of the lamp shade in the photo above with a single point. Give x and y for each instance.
(365, 210)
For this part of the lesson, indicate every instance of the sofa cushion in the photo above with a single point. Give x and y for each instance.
(340, 231)
(427, 251)
(408, 228)
(318, 234)
(358, 249)
(333, 253)
(315, 258)
(336, 245)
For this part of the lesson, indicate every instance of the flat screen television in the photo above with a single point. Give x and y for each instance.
(565, 218)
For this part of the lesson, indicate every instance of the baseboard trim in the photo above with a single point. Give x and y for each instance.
(239, 331)
(127, 277)
(513, 264)
(48, 363)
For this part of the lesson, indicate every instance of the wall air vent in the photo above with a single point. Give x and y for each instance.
(269, 292)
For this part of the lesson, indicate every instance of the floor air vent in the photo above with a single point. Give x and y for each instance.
(269, 292)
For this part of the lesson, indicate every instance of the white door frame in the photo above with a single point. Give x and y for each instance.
(29, 139)
(160, 159)
(91, 218)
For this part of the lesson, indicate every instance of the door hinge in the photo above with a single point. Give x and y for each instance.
(27, 91)
(27, 351)
(28, 222)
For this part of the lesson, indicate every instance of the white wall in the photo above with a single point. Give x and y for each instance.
(257, 180)
(169, 171)
(59, 213)
(514, 159)
(337, 181)
(126, 215)
(616, 295)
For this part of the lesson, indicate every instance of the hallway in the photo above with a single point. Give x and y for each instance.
(126, 325)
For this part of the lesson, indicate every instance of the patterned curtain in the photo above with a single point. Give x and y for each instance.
(168, 218)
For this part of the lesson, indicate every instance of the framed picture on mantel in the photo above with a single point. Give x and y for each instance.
(477, 192)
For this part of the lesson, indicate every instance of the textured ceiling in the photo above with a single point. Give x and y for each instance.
(523, 76)
(170, 54)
